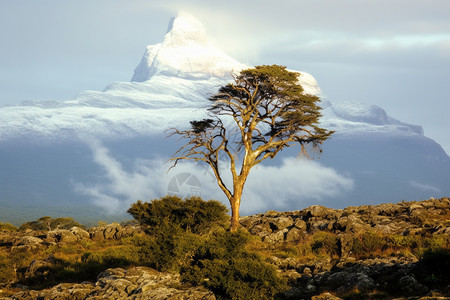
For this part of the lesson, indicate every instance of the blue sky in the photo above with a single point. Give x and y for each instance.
(395, 54)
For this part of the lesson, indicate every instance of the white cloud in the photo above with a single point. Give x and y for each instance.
(284, 187)
(425, 187)
(292, 185)
(119, 187)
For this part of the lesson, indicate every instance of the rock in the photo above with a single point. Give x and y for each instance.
(388, 209)
(410, 287)
(414, 207)
(27, 241)
(134, 283)
(37, 268)
(300, 224)
(113, 231)
(249, 221)
(307, 271)
(262, 229)
(60, 236)
(325, 296)
(282, 222)
(80, 234)
(112, 273)
(322, 225)
(275, 237)
(318, 211)
(24, 295)
(295, 234)
(271, 213)
(352, 223)
(293, 293)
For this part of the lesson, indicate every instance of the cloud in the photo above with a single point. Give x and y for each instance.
(425, 187)
(288, 186)
(119, 187)
(292, 185)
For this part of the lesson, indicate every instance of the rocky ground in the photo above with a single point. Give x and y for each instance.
(401, 274)
(134, 283)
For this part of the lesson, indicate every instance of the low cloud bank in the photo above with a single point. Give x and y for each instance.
(292, 185)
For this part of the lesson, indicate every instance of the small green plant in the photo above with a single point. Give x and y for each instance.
(369, 244)
(325, 243)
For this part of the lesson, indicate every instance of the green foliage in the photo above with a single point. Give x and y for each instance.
(71, 264)
(170, 248)
(325, 243)
(175, 226)
(368, 244)
(193, 214)
(189, 236)
(277, 96)
(434, 267)
(6, 268)
(7, 227)
(223, 265)
(48, 223)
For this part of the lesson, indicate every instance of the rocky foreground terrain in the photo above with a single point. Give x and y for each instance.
(398, 274)
(344, 267)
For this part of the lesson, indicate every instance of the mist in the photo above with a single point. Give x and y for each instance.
(294, 184)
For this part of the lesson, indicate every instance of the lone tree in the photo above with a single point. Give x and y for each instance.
(251, 119)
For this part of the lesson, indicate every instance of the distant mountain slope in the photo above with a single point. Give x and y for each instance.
(105, 149)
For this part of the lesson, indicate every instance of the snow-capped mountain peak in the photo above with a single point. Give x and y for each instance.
(185, 53)
(185, 30)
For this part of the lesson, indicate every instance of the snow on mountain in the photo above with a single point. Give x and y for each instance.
(185, 53)
(356, 118)
(48, 153)
(169, 87)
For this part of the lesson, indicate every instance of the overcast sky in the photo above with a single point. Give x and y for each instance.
(391, 53)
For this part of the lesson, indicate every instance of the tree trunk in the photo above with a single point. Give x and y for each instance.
(234, 214)
(235, 201)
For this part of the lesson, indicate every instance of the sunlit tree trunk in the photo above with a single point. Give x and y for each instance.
(235, 203)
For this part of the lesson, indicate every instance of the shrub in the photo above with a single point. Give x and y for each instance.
(368, 244)
(7, 227)
(325, 242)
(193, 214)
(189, 236)
(223, 265)
(48, 223)
(434, 267)
(6, 268)
(170, 248)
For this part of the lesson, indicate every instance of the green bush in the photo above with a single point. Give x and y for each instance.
(193, 214)
(223, 265)
(48, 223)
(325, 242)
(7, 227)
(6, 268)
(170, 248)
(367, 244)
(434, 267)
(189, 236)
